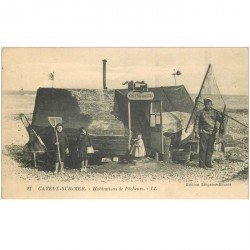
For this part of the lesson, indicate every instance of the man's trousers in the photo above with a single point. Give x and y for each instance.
(206, 149)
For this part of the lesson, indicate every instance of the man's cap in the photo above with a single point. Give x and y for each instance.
(207, 100)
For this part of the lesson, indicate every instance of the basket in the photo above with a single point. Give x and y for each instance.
(90, 150)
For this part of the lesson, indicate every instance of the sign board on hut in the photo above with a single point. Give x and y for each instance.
(140, 96)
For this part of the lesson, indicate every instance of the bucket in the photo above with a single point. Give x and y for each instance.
(181, 155)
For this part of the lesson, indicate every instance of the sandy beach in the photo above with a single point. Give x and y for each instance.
(231, 167)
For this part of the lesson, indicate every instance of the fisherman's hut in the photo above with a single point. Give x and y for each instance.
(158, 113)
(113, 117)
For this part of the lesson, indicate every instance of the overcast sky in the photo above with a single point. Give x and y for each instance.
(29, 68)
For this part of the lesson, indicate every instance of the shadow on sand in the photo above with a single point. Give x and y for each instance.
(25, 159)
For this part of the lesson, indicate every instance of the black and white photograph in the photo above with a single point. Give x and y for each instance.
(125, 122)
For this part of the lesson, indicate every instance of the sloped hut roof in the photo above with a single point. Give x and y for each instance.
(175, 98)
(101, 112)
(96, 110)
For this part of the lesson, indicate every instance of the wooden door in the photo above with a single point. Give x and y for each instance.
(156, 134)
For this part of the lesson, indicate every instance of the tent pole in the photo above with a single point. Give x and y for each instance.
(129, 126)
(161, 121)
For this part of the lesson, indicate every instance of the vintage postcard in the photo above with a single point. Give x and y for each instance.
(125, 123)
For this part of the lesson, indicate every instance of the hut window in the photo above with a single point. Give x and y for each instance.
(155, 115)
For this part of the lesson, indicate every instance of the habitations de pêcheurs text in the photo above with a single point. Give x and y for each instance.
(126, 188)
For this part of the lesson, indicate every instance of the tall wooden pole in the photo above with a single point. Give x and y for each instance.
(161, 121)
(197, 98)
(53, 79)
(104, 74)
(174, 74)
(129, 126)
(58, 147)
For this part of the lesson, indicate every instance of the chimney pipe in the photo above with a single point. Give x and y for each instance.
(104, 74)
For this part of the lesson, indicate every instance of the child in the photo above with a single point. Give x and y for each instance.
(138, 149)
(82, 143)
(61, 140)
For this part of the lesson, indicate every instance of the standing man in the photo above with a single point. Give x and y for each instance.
(206, 129)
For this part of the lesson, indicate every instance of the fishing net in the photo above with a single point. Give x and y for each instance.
(209, 89)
